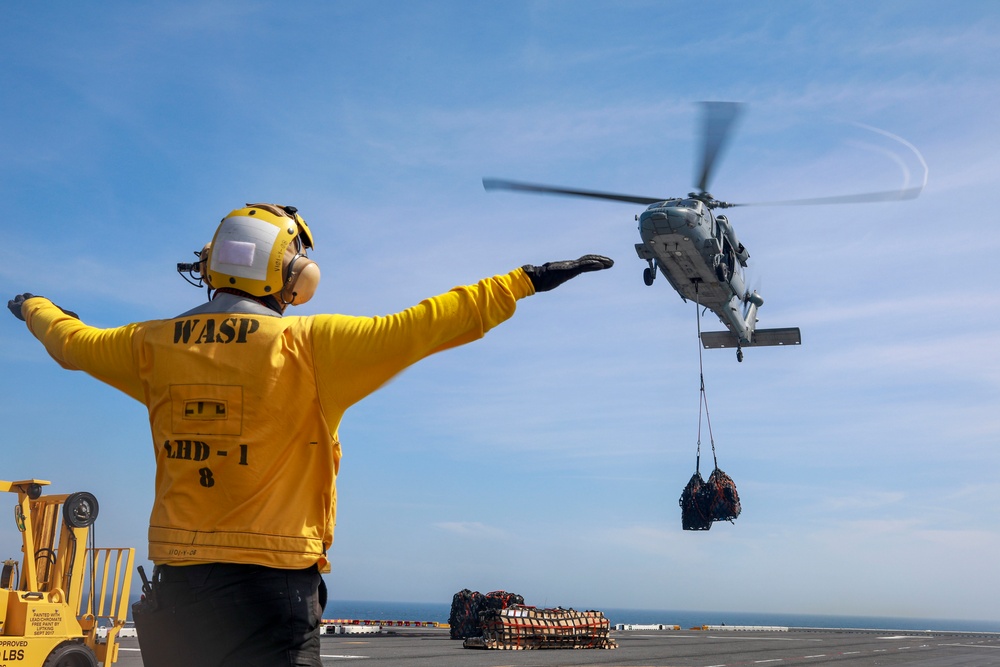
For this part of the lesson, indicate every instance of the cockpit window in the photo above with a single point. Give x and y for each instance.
(666, 204)
(692, 204)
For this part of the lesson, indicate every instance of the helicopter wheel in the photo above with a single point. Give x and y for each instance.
(648, 276)
(739, 354)
(722, 273)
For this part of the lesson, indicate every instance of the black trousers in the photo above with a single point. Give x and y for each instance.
(224, 615)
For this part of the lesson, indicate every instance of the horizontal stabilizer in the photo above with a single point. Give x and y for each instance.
(761, 337)
(783, 336)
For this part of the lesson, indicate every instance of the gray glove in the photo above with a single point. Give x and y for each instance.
(14, 305)
(553, 274)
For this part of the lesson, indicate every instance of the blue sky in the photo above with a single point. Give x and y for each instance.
(548, 458)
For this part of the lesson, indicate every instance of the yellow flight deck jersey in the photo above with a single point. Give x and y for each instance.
(244, 410)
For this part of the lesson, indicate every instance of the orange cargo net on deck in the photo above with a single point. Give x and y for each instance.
(521, 627)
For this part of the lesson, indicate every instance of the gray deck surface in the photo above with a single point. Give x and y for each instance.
(431, 647)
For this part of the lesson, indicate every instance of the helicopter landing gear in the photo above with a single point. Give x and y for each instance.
(722, 272)
(739, 353)
(649, 274)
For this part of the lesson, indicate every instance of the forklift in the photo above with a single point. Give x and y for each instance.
(65, 602)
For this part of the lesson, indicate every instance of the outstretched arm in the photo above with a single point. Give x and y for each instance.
(105, 354)
(357, 355)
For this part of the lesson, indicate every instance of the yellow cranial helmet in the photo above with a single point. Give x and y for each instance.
(261, 250)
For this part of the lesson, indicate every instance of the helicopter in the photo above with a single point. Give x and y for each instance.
(696, 249)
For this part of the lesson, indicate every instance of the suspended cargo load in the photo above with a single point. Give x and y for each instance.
(705, 501)
(519, 627)
(721, 497)
(695, 514)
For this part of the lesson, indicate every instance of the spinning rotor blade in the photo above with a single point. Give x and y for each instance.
(718, 119)
(865, 198)
(500, 184)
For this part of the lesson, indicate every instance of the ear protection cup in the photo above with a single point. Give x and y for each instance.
(301, 280)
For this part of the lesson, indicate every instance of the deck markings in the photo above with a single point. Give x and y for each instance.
(840, 653)
(757, 639)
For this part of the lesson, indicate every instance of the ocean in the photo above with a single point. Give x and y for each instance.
(439, 612)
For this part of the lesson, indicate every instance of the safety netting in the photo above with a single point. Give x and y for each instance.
(723, 499)
(704, 501)
(521, 627)
(467, 605)
(694, 509)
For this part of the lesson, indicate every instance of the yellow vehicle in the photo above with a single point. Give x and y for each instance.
(64, 603)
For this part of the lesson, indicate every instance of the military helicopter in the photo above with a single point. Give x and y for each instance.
(697, 250)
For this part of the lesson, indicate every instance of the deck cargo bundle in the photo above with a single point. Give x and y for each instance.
(466, 607)
(519, 627)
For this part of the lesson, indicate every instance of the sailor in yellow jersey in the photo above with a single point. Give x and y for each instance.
(244, 407)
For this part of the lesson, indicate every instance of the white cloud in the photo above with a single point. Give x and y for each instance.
(472, 530)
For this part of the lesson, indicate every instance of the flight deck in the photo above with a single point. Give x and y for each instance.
(432, 647)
